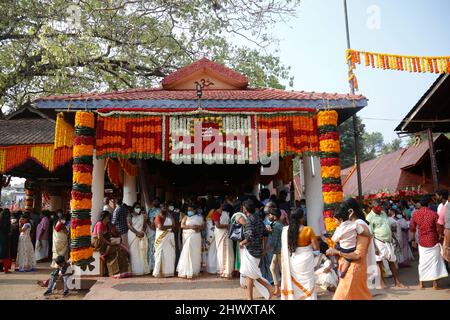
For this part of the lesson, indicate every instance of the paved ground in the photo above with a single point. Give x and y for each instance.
(22, 286)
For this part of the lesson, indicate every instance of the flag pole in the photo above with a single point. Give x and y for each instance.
(355, 124)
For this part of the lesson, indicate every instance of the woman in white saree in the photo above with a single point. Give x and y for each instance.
(297, 274)
(138, 241)
(164, 245)
(224, 246)
(190, 257)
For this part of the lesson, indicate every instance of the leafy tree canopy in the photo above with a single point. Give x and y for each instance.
(59, 46)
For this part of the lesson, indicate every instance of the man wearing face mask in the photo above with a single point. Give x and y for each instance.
(381, 229)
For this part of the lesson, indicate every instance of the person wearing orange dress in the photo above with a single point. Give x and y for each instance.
(353, 286)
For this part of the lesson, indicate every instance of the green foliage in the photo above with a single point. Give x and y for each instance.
(59, 46)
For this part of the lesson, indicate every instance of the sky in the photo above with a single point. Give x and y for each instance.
(314, 44)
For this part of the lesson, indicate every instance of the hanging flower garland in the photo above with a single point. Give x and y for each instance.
(81, 203)
(331, 167)
(29, 196)
(420, 64)
(64, 138)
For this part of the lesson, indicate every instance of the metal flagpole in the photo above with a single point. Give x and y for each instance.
(355, 125)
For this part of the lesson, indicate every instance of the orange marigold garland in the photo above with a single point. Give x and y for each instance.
(29, 196)
(81, 250)
(331, 167)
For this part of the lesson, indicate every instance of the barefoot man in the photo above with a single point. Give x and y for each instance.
(252, 251)
(431, 263)
(381, 229)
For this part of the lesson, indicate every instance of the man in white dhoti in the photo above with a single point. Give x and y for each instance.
(431, 263)
(252, 251)
(381, 229)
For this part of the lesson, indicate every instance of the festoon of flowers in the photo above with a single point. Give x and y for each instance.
(81, 195)
(329, 148)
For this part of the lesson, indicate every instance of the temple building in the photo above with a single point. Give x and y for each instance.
(203, 130)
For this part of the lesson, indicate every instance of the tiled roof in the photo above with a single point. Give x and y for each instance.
(239, 79)
(248, 94)
(26, 131)
(385, 171)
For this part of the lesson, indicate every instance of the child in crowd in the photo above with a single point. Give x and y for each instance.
(345, 238)
(63, 271)
(326, 276)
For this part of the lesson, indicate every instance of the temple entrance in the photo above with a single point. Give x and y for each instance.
(197, 179)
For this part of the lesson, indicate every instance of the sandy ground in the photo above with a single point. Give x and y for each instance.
(22, 286)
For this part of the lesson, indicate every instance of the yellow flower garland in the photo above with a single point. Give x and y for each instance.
(83, 150)
(81, 231)
(82, 178)
(330, 224)
(327, 118)
(64, 132)
(84, 204)
(333, 196)
(331, 172)
(330, 145)
(85, 119)
(83, 254)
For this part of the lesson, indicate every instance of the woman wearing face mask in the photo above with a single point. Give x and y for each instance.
(224, 246)
(190, 258)
(60, 239)
(138, 241)
(406, 255)
(164, 245)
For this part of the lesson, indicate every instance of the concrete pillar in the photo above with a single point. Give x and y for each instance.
(129, 190)
(55, 203)
(98, 188)
(313, 191)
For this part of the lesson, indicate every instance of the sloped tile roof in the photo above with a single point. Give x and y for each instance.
(248, 94)
(27, 131)
(385, 171)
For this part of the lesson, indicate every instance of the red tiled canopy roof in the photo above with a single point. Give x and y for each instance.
(248, 94)
(239, 81)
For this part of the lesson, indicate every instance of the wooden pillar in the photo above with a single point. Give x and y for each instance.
(434, 167)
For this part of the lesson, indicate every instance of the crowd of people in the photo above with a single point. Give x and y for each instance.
(262, 240)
